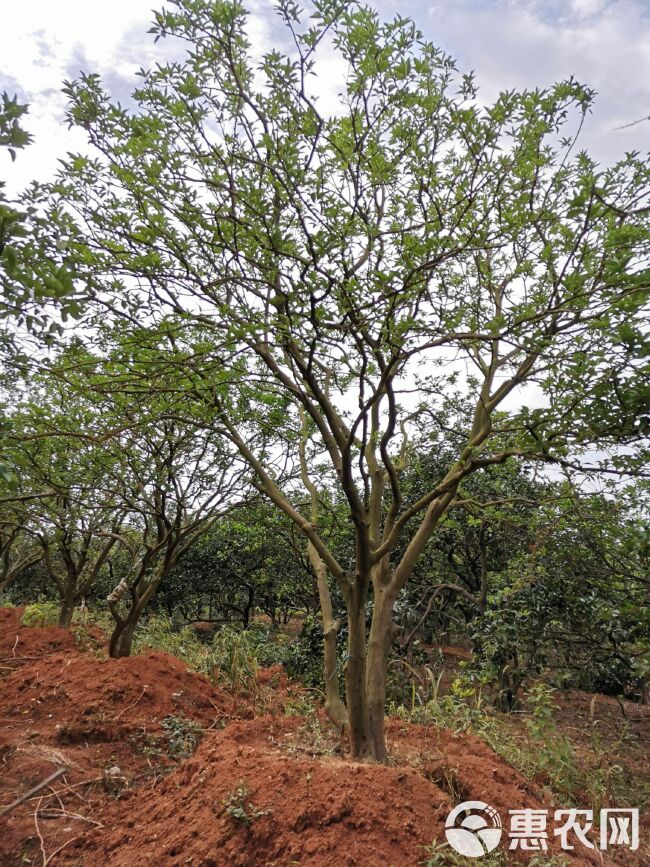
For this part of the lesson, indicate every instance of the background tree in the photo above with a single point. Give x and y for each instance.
(57, 484)
(249, 562)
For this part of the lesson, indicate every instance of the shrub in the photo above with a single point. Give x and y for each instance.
(158, 633)
(41, 614)
(232, 655)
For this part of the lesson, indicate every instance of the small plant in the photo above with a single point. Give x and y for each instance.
(548, 861)
(183, 736)
(41, 614)
(552, 755)
(87, 641)
(242, 811)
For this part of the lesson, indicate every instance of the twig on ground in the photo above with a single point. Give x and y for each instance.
(69, 788)
(56, 851)
(129, 706)
(13, 651)
(54, 813)
(40, 836)
(28, 795)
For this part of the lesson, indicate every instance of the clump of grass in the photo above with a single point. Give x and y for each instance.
(158, 633)
(442, 855)
(232, 658)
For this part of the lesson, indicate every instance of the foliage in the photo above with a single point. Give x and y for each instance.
(248, 562)
(572, 604)
(182, 734)
(303, 658)
(159, 633)
(307, 291)
(40, 614)
(233, 659)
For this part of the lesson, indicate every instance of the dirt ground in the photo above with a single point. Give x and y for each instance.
(162, 768)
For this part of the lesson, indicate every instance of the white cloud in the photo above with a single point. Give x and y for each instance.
(516, 44)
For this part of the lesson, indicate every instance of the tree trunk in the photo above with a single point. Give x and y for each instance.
(246, 614)
(122, 637)
(334, 707)
(65, 612)
(361, 744)
(379, 644)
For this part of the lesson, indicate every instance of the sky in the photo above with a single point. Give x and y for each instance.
(508, 44)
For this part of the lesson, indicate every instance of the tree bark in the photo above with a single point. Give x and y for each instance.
(361, 745)
(122, 637)
(65, 612)
(379, 644)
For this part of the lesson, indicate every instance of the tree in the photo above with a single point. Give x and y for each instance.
(248, 562)
(574, 603)
(105, 465)
(57, 490)
(411, 259)
(16, 554)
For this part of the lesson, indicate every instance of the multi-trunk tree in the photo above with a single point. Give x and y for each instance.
(56, 491)
(408, 257)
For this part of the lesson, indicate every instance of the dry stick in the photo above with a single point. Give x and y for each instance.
(56, 851)
(26, 797)
(129, 706)
(78, 785)
(40, 836)
(53, 813)
(13, 652)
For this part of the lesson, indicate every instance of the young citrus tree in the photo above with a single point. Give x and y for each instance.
(407, 257)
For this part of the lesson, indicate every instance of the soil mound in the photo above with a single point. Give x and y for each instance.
(259, 791)
(252, 796)
(20, 644)
(90, 696)
(110, 723)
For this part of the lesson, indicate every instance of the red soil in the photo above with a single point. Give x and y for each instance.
(298, 801)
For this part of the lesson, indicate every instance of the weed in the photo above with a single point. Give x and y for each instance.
(158, 633)
(233, 659)
(183, 736)
(551, 757)
(242, 811)
(548, 861)
(442, 855)
(87, 642)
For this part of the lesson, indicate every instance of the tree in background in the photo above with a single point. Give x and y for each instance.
(249, 562)
(67, 517)
(103, 464)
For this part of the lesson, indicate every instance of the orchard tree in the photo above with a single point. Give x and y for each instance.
(168, 473)
(574, 603)
(408, 257)
(65, 515)
(250, 561)
(17, 552)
